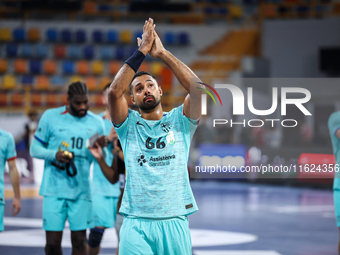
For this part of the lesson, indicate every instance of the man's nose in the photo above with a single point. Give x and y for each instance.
(147, 91)
(83, 106)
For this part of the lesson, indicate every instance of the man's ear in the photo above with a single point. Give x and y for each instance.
(160, 91)
(132, 99)
(103, 100)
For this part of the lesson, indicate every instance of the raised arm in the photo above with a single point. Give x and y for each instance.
(111, 173)
(185, 76)
(118, 106)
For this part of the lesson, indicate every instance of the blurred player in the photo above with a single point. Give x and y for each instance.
(117, 171)
(157, 196)
(60, 140)
(104, 194)
(8, 153)
(334, 131)
(118, 163)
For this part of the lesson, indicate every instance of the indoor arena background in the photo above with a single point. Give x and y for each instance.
(46, 45)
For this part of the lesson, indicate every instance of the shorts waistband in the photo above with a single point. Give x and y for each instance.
(157, 219)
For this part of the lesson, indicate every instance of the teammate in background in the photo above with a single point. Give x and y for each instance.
(104, 194)
(157, 196)
(118, 163)
(8, 153)
(118, 171)
(60, 140)
(30, 128)
(334, 131)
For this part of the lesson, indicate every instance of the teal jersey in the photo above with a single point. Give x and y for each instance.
(55, 126)
(7, 153)
(99, 184)
(334, 125)
(156, 155)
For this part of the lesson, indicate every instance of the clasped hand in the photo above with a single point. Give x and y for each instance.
(150, 42)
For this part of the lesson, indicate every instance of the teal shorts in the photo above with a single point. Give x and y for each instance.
(104, 210)
(57, 210)
(140, 236)
(2, 212)
(336, 197)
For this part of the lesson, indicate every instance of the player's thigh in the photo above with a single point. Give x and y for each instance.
(2, 212)
(336, 196)
(176, 238)
(132, 240)
(54, 238)
(104, 211)
(54, 213)
(79, 214)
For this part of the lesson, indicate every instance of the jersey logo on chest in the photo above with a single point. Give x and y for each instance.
(166, 127)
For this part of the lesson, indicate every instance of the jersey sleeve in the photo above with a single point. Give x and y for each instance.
(122, 129)
(101, 131)
(190, 125)
(11, 153)
(43, 131)
(334, 123)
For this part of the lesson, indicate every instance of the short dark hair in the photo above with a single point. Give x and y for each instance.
(32, 112)
(77, 88)
(140, 73)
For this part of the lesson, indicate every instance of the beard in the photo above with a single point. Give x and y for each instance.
(150, 105)
(78, 113)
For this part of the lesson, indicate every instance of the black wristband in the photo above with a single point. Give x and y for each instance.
(135, 60)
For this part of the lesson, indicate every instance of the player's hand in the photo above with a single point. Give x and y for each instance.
(63, 156)
(145, 44)
(102, 141)
(112, 135)
(157, 48)
(97, 151)
(16, 206)
(115, 147)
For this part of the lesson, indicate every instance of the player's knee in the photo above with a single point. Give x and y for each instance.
(79, 242)
(95, 237)
(52, 248)
(79, 245)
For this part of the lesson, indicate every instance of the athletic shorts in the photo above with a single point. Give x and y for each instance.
(56, 210)
(104, 210)
(336, 197)
(140, 236)
(2, 212)
(118, 224)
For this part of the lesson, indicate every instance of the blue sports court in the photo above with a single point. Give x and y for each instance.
(280, 56)
(233, 219)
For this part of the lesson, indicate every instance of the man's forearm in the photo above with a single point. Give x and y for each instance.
(121, 81)
(110, 174)
(182, 72)
(121, 155)
(15, 180)
(37, 150)
(126, 73)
